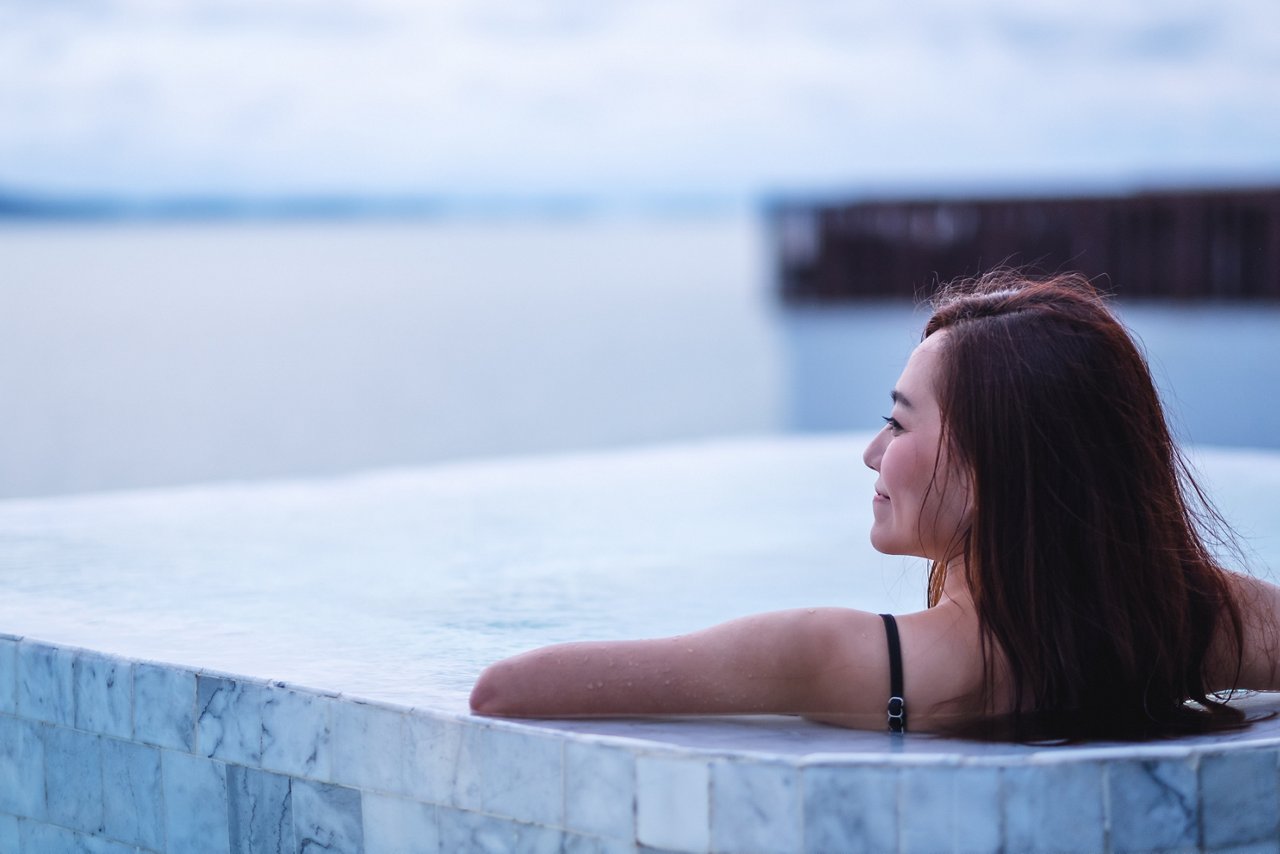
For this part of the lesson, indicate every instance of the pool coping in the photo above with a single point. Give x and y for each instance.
(143, 755)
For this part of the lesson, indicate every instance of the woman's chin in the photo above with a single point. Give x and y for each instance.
(884, 545)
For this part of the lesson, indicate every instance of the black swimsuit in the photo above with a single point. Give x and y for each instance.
(897, 705)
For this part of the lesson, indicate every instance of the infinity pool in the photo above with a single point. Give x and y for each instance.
(286, 664)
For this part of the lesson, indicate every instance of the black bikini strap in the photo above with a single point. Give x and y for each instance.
(897, 704)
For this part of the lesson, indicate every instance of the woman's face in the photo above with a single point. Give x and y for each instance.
(922, 503)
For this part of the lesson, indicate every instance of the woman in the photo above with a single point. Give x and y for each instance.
(1071, 594)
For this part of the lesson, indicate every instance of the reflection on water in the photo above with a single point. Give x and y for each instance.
(148, 354)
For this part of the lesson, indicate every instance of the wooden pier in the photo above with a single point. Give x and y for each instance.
(1219, 244)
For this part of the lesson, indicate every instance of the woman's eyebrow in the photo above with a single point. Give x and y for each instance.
(899, 398)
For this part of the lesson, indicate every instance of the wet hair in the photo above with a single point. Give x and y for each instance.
(1087, 554)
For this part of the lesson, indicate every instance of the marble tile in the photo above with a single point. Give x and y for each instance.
(1152, 804)
(132, 793)
(977, 816)
(850, 808)
(47, 839)
(9, 833)
(73, 779)
(617, 846)
(1054, 806)
(522, 777)
(164, 706)
(475, 833)
(229, 720)
(755, 807)
(22, 768)
(431, 747)
(259, 811)
(367, 746)
(576, 843)
(1267, 846)
(466, 788)
(580, 843)
(327, 818)
(265, 726)
(296, 735)
(8, 675)
(399, 826)
(195, 803)
(103, 687)
(600, 790)
(673, 803)
(946, 808)
(44, 683)
(1238, 797)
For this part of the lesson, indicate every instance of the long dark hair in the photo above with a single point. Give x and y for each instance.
(1087, 556)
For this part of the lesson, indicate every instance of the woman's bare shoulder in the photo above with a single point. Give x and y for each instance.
(942, 667)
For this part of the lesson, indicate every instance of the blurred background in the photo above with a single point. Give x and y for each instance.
(288, 238)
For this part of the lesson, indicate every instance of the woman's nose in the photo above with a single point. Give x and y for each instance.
(871, 456)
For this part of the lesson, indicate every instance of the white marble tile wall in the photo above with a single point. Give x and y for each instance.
(1055, 806)
(8, 674)
(599, 789)
(263, 726)
(1238, 798)
(1153, 804)
(850, 807)
(756, 807)
(45, 686)
(102, 688)
(164, 706)
(949, 808)
(132, 794)
(103, 755)
(673, 807)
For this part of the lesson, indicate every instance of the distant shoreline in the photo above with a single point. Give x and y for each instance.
(37, 208)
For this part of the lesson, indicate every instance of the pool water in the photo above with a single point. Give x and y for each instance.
(283, 665)
(401, 585)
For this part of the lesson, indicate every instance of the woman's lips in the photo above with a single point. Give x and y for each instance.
(880, 496)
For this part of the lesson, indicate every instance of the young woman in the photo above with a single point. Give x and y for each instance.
(1072, 593)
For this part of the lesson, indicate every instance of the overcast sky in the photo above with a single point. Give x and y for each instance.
(621, 97)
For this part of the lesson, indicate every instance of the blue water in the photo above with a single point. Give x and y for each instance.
(140, 355)
(1217, 365)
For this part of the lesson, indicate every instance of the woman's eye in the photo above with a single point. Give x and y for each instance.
(892, 423)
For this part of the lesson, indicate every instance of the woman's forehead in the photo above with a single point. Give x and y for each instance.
(917, 380)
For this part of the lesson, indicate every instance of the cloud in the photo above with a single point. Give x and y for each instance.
(489, 97)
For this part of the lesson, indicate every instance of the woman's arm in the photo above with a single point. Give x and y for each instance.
(1259, 603)
(825, 662)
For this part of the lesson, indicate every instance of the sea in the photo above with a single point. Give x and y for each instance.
(145, 353)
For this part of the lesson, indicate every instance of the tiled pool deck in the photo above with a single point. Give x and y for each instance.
(111, 753)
